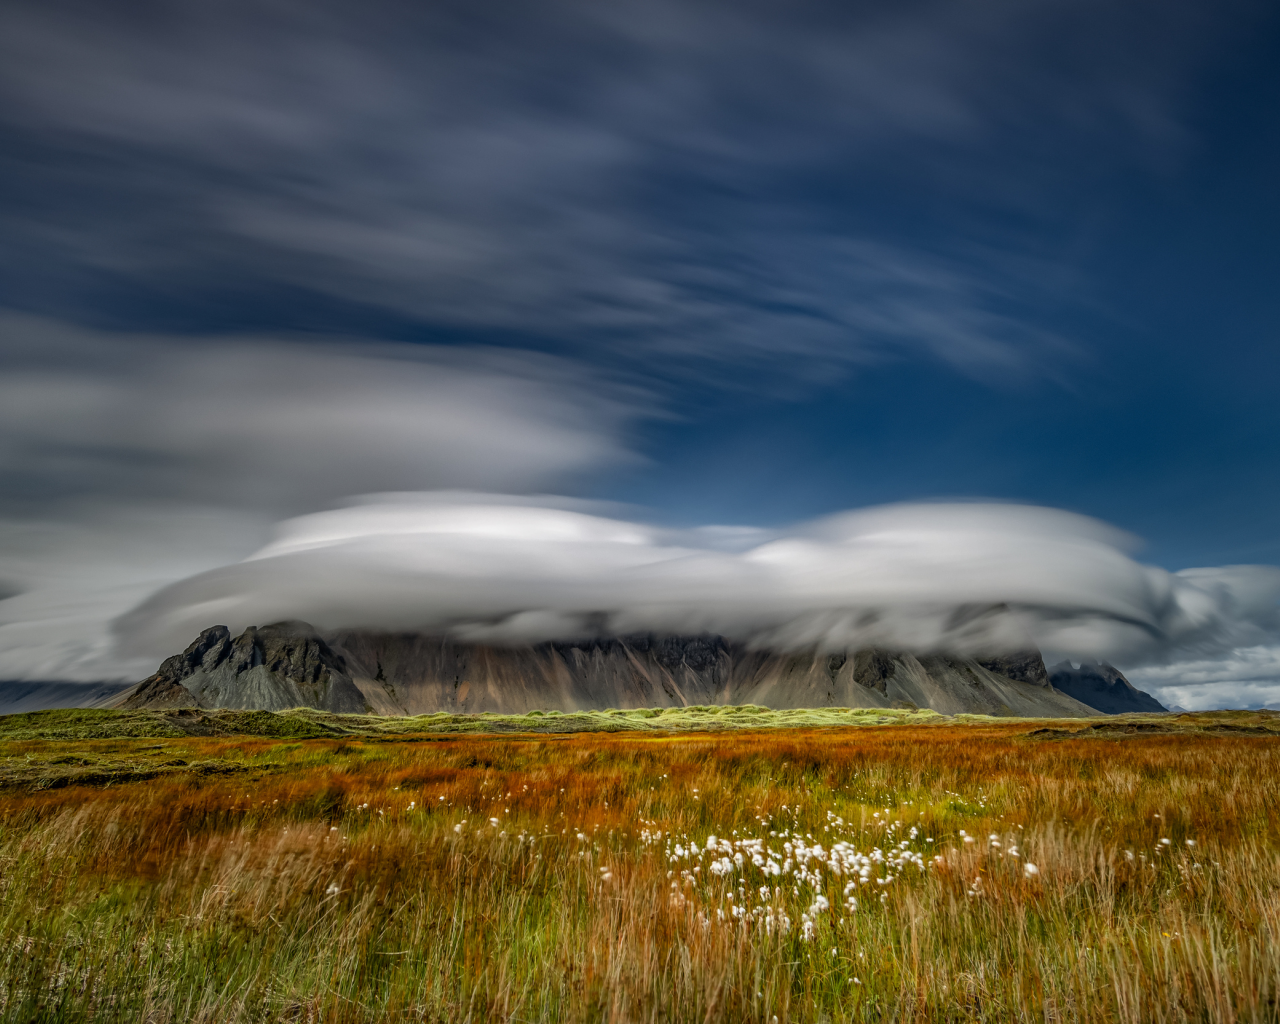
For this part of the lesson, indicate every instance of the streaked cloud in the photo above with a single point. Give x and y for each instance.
(131, 461)
(1247, 675)
(273, 424)
(967, 578)
(585, 176)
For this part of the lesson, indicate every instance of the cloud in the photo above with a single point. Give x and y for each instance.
(74, 568)
(1246, 675)
(129, 461)
(962, 578)
(700, 180)
(271, 424)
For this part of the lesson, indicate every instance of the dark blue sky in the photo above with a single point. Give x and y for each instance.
(850, 254)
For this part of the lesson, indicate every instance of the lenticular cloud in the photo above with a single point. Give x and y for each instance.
(962, 578)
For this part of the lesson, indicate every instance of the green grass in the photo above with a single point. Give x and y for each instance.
(308, 723)
(430, 876)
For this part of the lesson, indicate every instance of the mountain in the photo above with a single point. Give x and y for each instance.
(17, 696)
(1103, 687)
(286, 665)
(290, 664)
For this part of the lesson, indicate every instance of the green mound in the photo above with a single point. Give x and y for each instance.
(94, 724)
(86, 724)
(1201, 723)
(308, 723)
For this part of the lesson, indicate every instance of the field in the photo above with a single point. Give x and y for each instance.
(929, 870)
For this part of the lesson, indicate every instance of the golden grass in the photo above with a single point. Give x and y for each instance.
(335, 880)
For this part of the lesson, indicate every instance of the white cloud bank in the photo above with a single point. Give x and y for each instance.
(958, 577)
(128, 462)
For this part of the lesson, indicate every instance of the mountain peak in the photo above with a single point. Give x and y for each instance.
(1102, 686)
(288, 664)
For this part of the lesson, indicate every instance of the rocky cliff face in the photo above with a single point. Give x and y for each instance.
(1103, 687)
(875, 678)
(288, 664)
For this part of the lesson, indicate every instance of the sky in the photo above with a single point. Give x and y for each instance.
(713, 273)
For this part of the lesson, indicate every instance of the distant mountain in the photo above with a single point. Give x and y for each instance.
(291, 664)
(17, 696)
(1103, 687)
(286, 665)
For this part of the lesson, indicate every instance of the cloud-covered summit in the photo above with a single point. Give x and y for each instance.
(969, 578)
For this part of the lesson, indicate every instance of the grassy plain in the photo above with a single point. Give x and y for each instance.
(989, 870)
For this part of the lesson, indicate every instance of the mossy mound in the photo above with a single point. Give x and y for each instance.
(309, 723)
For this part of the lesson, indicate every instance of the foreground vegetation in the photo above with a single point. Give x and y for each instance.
(1101, 870)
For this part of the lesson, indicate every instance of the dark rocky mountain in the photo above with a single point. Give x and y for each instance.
(290, 664)
(1103, 687)
(286, 665)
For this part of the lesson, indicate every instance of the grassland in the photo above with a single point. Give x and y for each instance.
(929, 870)
(305, 723)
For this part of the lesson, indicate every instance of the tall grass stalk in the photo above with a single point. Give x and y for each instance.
(574, 879)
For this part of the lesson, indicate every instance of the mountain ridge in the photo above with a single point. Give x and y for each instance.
(1104, 687)
(350, 671)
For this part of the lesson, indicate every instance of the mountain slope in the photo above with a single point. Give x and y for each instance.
(288, 664)
(1103, 687)
(18, 696)
(948, 685)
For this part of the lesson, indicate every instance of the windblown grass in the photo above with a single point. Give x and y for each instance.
(916, 872)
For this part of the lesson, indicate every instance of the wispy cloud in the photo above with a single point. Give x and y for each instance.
(699, 179)
(274, 424)
(1246, 675)
(127, 462)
